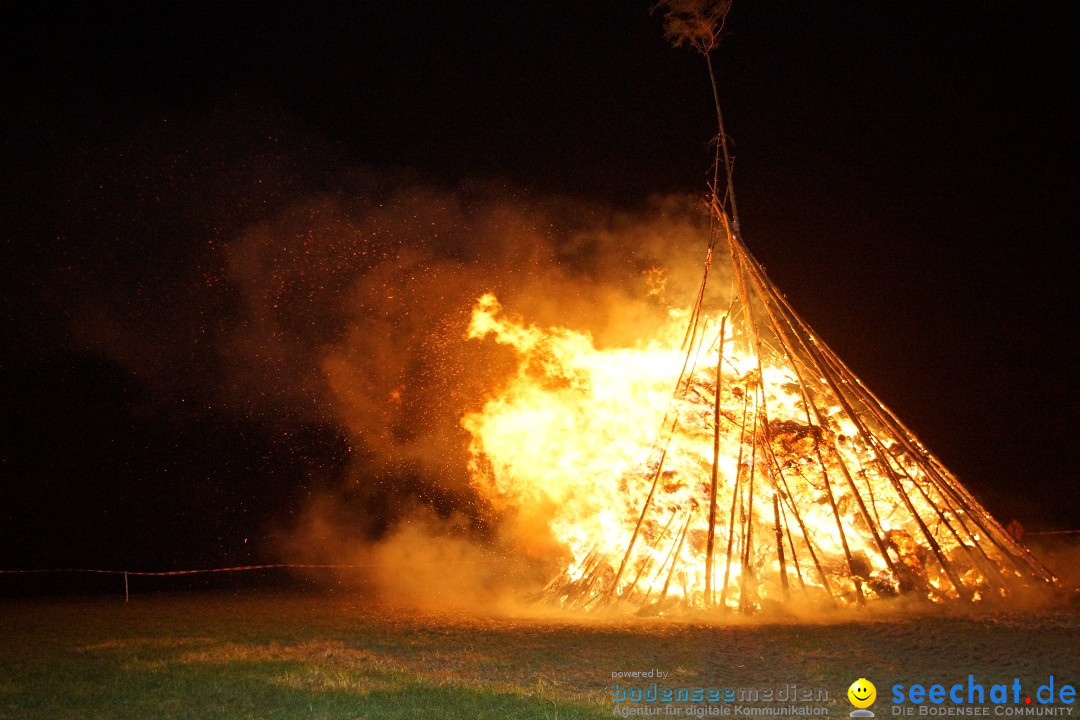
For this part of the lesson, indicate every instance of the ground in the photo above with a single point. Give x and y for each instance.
(227, 655)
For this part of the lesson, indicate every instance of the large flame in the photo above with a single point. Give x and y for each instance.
(614, 448)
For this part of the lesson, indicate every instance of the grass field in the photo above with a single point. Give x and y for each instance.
(205, 655)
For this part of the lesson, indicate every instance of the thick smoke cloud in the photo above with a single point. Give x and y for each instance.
(397, 372)
(343, 298)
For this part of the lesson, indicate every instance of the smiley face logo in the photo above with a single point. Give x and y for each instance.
(862, 693)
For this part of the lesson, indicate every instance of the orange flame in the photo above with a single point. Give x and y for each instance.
(595, 443)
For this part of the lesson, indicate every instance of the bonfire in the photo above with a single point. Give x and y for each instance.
(732, 460)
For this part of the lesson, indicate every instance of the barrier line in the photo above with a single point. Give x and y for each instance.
(235, 568)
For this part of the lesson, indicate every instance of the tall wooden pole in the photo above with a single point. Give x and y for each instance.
(715, 470)
(779, 543)
(728, 165)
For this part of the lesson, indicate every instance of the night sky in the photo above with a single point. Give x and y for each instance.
(907, 173)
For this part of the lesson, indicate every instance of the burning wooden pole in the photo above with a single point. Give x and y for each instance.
(715, 468)
(780, 544)
(675, 557)
(734, 499)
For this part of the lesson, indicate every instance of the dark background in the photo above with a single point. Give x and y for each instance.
(905, 171)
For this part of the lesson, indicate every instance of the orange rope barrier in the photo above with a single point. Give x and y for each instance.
(203, 571)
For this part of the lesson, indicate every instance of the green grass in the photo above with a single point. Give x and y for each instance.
(279, 656)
